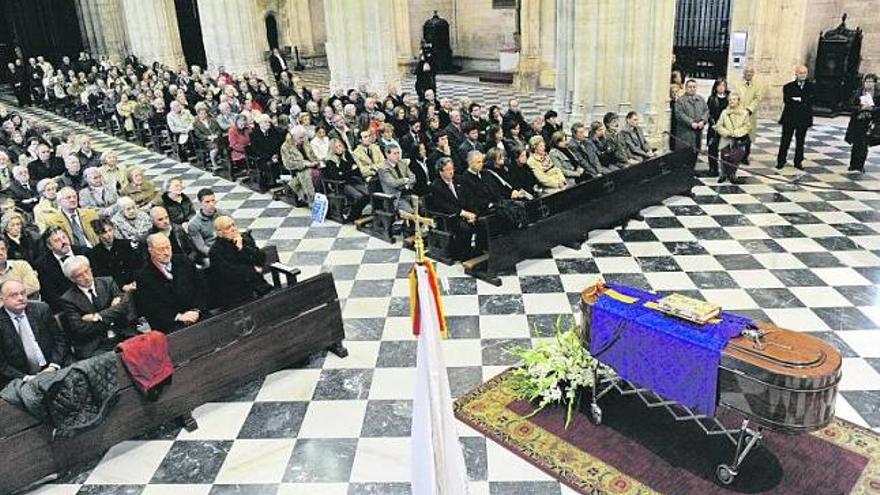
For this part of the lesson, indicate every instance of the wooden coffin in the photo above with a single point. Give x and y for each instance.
(787, 383)
(212, 359)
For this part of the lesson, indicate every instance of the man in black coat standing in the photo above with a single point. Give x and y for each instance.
(797, 117)
(30, 340)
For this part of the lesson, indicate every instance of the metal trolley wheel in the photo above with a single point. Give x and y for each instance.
(725, 474)
(595, 414)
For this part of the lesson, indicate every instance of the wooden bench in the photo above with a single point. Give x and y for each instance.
(567, 217)
(212, 359)
(383, 218)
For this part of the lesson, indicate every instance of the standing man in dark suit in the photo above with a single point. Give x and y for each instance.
(30, 340)
(97, 313)
(797, 117)
(447, 198)
(53, 283)
(167, 294)
(277, 63)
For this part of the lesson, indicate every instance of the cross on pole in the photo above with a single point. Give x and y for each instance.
(421, 225)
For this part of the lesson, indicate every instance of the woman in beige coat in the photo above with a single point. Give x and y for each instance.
(733, 126)
(548, 175)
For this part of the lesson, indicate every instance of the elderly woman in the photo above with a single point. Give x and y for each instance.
(297, 157)
(733, 126)
(550, 178)
(115, 176)
(95, 195)
(125, 108)
(141, 190)
(19, 244)
(47, 206)
(239, 137)
(178, 205)
(130, 222)
(206, 131)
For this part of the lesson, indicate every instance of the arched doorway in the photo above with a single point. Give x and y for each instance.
(272, 31)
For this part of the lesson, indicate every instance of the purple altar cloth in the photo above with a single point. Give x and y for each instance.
(675, 358)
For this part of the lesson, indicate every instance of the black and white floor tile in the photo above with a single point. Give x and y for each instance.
(804, 258)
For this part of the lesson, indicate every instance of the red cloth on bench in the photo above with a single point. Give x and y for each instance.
(146, 358)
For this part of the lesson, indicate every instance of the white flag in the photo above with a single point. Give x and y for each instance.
(437, 460)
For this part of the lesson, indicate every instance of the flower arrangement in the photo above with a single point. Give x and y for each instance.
(552, 372)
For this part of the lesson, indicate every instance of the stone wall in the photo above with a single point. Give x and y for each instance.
(825, 15)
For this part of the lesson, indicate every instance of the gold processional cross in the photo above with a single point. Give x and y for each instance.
(422, 224)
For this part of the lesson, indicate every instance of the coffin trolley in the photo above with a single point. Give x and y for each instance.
(775, 379)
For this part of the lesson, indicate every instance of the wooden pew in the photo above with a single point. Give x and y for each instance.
(211, 360)
(567, 217)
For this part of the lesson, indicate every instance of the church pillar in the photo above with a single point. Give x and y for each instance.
(529, 69)
(622, 52)
(101, 24)
(234, 36)
(153, 32)
(301, 26)
(403, 41)
(772, 48)
(565, 52)
(361, 44)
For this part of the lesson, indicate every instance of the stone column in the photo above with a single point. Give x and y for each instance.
(300, 17)
(361, 44)
(622, 51)
(101, 24)
(153, 34)
(234, 36)
(565, 53)
(528, 72)
(403, 42)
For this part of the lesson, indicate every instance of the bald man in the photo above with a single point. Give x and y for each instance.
(168, 294)
(31, 341)
(797, 117)
(236, 272)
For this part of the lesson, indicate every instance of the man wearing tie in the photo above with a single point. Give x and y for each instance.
(76, 221)
(446, 198)
(30, 340)
(22, 189)
(751, 95)
(797, 117)
(97, 313)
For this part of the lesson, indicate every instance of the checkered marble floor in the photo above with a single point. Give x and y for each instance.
(806, 259)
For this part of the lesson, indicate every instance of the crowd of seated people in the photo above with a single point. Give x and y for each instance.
(109, 254)
(282, 130)
(352, 142)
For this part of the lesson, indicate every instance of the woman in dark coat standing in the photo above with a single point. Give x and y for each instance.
(717, 102)
(866, 104)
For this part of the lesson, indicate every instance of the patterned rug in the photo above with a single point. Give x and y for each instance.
(638, 450)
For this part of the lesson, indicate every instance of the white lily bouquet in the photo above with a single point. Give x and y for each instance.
(553, 372)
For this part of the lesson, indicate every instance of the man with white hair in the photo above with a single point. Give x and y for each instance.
(22, 189)
(797, 117)
(72, 176)
(95, 310)
(298, 158)
(751, 94)
(76, 221)
(88, 157)
(168, 294)
(95, 195)
(45, 165)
